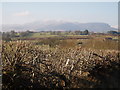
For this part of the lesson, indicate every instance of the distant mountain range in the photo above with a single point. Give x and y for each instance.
(59, 26)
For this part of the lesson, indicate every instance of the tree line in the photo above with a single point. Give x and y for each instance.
(7, 36)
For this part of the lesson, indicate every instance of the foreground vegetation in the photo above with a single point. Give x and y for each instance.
(61, 63)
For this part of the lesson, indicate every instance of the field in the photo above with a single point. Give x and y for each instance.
(52, 61)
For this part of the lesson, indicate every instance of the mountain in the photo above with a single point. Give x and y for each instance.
(59, 25)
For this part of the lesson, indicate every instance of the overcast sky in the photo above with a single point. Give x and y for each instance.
(83, 12)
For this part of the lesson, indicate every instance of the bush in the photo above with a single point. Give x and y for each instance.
(28, 66)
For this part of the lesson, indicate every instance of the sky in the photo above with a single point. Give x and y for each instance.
(60, 0)
(83, 12)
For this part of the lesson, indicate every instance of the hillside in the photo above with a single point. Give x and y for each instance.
(57, 25)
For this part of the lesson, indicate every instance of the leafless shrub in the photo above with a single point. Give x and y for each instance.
(53, 68)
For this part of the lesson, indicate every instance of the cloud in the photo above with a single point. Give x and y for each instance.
(25, 13)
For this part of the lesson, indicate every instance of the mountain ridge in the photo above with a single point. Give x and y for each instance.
(60, 26)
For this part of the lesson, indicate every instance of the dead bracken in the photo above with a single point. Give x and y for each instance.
(28, 66)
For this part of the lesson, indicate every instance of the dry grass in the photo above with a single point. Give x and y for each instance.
(101, 44)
